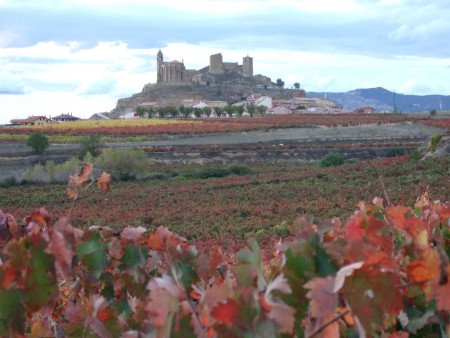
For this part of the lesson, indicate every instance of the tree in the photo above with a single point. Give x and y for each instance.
(280, 83)
(433, 112)
(261, 109)
(198, 112)
(38, 142)
(251, 108)
(140, 111)
(240, 110)
(218, 111)
(162, 112)
(297, 85)
(187, 112)
(207, 111)
(229, 110)
(173, 111)
(150, 112)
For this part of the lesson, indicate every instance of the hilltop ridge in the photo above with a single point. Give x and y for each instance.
(384, 100)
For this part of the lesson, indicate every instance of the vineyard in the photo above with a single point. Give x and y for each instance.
(237, 206)
(384, 272)
(207, 126)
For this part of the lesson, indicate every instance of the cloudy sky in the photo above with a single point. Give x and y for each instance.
(80, 56)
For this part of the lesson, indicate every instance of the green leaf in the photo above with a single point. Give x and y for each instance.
(40, 282)
(250, 266)
(123, 308)
(133, 257)
(187, 274)
(322, 260)
(183, 329)
(92, 254)
(12, 312)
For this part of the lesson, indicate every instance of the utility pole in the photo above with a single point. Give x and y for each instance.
(394, 99)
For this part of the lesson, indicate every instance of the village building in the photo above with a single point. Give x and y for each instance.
(364, 110)
(31, 121)
(65, 118)
(280, 110)
(99, 116)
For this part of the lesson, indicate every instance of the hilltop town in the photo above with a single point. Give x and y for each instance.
(217, 85)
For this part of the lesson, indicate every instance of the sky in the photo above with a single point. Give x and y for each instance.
(81, 56)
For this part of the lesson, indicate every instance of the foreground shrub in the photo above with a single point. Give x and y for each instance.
(394, 152)
(123, 164)
(8, 182)
(380, 274)
(91, 145)
(332, 159)
(415, 154)
(38, 142)
(216, 172)
(51, 172)
(434, 141)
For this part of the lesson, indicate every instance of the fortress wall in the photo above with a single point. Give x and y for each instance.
(247, 66)
(232, 66)
(216, 64)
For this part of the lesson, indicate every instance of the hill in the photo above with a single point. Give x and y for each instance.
(383, 100)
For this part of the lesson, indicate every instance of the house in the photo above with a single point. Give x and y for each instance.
(201, 104)
(99, 116)
(31, 121)
(153, 105)
(364, 110)
(65, 118)
(280, 110)
(264, 101)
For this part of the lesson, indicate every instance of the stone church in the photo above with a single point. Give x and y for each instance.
(176, 72)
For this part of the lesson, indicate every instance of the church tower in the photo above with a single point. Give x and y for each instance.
(159, 63)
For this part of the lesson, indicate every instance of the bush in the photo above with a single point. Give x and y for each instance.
(240, 169)
(394, 152)
(38, 142)
(332, 159)
(435, 140)
(217, 172)
(51, 172)
(414, 155)
(123, 164)
(92, 145)
(8, 182)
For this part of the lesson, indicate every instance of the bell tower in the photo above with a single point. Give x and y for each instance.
(159, 63)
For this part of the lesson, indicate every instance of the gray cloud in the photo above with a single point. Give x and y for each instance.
(391, 31)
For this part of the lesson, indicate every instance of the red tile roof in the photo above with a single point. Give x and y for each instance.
(28, 120)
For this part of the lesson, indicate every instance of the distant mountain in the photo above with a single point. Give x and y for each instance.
(383, 100)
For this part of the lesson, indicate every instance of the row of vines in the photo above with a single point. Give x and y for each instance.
(383, 273)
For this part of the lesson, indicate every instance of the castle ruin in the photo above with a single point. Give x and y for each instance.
(176, 72)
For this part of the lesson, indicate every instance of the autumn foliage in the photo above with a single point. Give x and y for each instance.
(384, 272)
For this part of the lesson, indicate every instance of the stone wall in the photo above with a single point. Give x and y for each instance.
(216, 64)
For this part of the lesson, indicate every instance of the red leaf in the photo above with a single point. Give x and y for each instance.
(226, 312)
(399, 334)
(155, 242)
(322, 296)
(83, 176)
(425, 269)
(397, 215)
(132, 234)
(440, 292)
(103, 181)
(215, 258)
